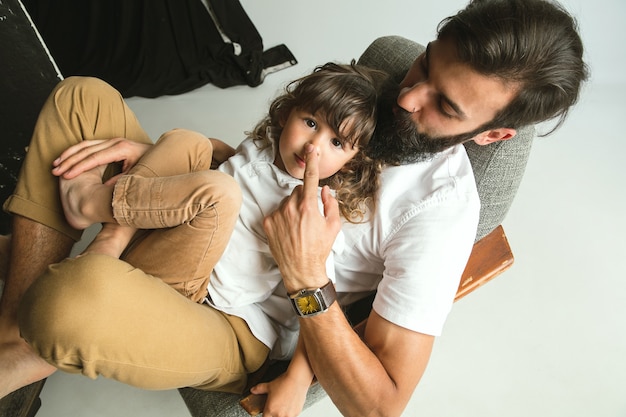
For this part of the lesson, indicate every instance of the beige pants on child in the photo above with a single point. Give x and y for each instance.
(126, 319)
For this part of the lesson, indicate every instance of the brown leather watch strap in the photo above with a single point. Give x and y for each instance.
(317, 300)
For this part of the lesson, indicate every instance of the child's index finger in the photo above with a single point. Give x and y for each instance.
(311, 172)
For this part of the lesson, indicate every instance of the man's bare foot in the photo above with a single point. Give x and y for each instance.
(85, 199)
(20, 366)
(111, 240)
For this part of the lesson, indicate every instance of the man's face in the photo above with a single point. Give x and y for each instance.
(446, 98)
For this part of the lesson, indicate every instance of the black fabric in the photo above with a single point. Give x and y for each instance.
(154, 47)
(27, 76)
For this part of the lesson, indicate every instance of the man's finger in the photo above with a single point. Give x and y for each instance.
(81, 158)
(76, 155)
(75, 149)
(331, 209)
(311, 173)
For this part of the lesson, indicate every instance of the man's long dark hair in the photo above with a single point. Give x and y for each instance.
(533, 43)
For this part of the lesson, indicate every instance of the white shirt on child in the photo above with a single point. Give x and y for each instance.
(246, 281)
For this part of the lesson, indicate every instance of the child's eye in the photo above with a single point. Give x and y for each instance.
(310, 123)
(337, 143)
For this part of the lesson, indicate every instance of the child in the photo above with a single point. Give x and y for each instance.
(333, 109)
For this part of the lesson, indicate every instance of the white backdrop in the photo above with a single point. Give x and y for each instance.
(547, 338)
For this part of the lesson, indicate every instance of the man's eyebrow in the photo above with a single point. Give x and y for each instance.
(454, 106)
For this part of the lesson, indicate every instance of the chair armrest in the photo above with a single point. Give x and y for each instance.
(253, 403)
(490, 257)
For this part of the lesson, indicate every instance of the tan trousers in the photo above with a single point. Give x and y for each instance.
(99, 315)
(193, 209)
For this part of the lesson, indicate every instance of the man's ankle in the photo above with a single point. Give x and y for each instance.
(9, 330)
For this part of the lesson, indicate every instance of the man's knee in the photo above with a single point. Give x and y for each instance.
(77, 90)
(78, 83)
(68, 303)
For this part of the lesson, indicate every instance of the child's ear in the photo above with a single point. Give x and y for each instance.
(494, 135)
(283, 117)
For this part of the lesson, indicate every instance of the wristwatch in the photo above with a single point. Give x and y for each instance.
(309, 303)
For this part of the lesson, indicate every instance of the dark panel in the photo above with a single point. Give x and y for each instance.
(27, 75)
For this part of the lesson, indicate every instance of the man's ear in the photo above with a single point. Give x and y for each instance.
(494, 135)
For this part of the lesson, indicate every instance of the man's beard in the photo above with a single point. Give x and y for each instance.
(397, 139)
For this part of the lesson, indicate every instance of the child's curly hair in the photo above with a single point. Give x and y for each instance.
(346, 97)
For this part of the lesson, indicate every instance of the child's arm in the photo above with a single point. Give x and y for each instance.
(221, 152)
(287, 393)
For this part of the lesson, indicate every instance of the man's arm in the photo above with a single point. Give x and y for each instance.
(376, 376)
(19, 365)
(373, 376)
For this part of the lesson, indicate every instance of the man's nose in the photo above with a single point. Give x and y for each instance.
(412, 99)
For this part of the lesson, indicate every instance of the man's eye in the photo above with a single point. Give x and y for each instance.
(445, 110)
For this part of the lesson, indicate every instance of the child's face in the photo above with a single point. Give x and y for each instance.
(302, 128)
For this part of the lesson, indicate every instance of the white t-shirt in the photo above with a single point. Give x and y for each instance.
(416, 247)
(246, 274)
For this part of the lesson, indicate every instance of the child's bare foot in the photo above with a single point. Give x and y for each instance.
(111, 240)
(86, 200)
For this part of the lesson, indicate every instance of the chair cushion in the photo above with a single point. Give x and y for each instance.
(498, 167)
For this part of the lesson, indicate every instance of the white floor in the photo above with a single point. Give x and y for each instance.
(547, 338)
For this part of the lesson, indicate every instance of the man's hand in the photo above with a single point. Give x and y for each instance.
(299, 236)
(90, 154)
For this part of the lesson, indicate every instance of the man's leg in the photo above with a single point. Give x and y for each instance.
(98, 315)
(78, 109)
(5, 250)
(17, 359)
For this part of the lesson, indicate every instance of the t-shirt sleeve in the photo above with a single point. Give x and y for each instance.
(424, 261)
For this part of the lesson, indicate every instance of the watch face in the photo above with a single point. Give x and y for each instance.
(308, 304)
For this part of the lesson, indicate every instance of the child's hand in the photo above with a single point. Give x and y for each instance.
(221, 152)
(285, 395)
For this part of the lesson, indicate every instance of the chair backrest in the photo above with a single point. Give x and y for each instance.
(498, 167)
